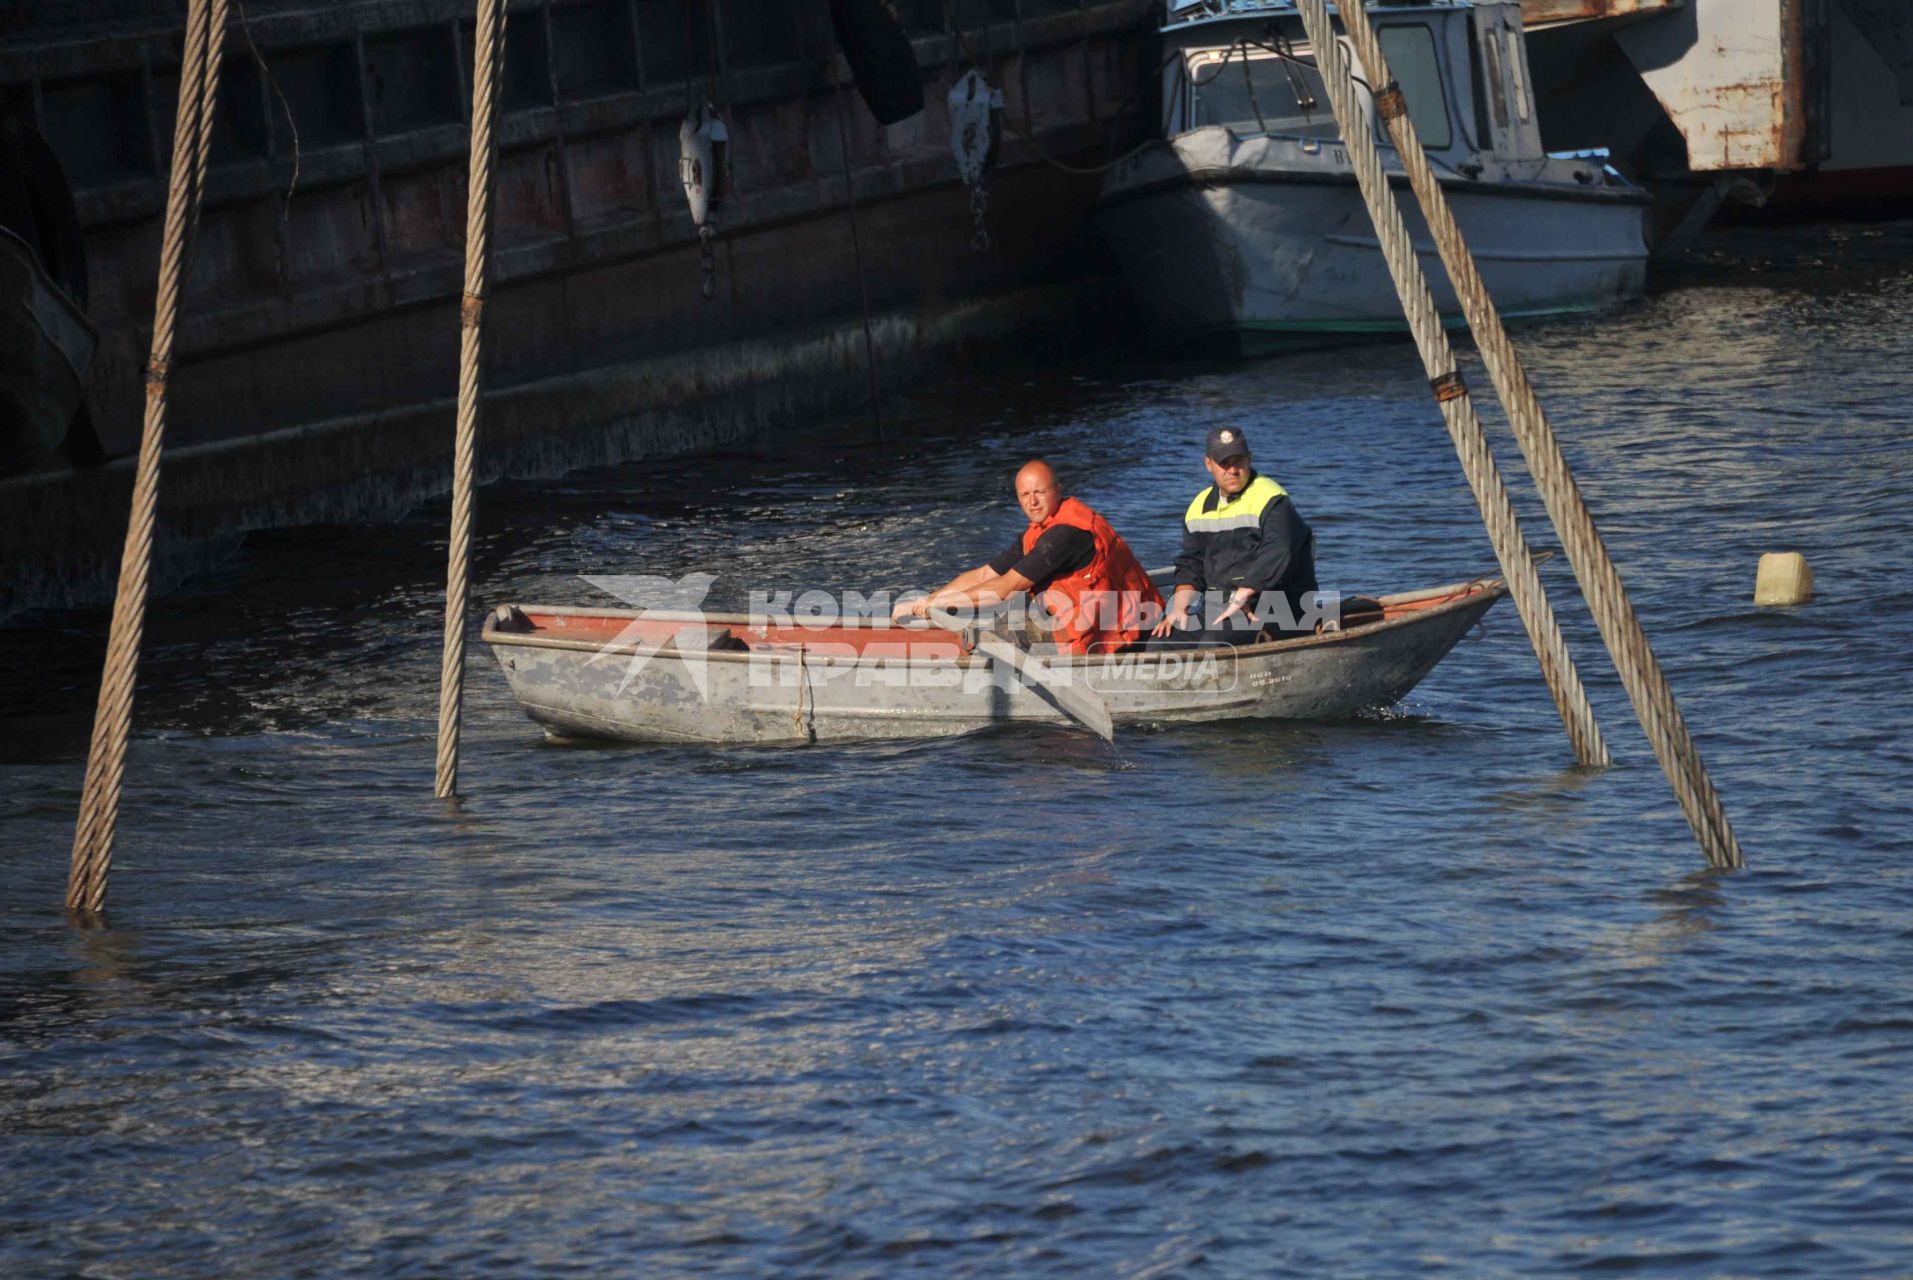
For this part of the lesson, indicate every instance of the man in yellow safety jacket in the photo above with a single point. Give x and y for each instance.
(1240, 536)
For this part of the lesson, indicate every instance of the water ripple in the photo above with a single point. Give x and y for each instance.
(1405, 996)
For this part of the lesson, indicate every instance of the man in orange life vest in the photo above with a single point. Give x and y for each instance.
(1097, 592)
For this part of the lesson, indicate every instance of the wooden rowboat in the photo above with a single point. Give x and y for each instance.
(661, 676)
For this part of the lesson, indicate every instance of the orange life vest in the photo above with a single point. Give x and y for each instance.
(1099, 607)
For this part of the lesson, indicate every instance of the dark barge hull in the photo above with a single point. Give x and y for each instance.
(319, 339)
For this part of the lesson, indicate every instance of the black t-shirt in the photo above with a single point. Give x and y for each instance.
(1062, 550)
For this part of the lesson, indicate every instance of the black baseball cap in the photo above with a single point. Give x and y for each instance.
(1226, 442)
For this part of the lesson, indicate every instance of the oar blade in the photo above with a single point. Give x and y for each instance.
(1073, 700)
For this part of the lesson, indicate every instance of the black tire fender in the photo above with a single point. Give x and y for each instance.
(881, 59)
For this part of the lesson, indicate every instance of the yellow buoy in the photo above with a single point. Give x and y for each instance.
(1783, 578)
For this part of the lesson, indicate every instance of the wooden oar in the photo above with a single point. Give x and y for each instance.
(1079, 704)
(1075, 702)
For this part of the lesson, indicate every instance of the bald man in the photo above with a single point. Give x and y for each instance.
(1097, 593)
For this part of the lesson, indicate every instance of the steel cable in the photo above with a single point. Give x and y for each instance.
(1613, 612)
(1456, 405)
(113, 716)
(488, 61)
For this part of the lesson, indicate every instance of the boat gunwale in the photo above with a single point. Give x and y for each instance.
(1465, 594)
(1243, 175)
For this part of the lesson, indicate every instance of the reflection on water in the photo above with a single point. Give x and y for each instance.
(1404, 995)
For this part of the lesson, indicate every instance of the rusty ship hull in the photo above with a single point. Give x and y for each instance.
(319, 334)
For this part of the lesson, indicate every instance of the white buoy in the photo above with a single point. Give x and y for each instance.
(1783, 578)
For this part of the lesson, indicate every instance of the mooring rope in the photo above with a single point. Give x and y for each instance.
(803, 687)
(488, 62)
(113, 716)
(1607, 599)
(1457, 406)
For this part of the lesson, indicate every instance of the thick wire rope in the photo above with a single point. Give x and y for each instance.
(1607, 599)
(1456, 405)
(488, 62)
(113, 716)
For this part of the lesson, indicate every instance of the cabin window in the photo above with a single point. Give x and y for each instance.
(1410, 52)
(1264, 94)
(1497, 79)
(1518, 64)
(1478, 81)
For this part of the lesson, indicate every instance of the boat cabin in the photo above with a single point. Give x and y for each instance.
(1247, 66)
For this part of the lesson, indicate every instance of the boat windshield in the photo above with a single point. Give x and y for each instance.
(1410, 54)
(1262, 94)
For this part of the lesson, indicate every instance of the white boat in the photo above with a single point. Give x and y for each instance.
(658, 676)
(1246, 226)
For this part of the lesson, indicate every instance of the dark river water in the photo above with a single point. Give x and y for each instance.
(1407, 995)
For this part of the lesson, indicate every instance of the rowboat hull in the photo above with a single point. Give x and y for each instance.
(651, 677)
